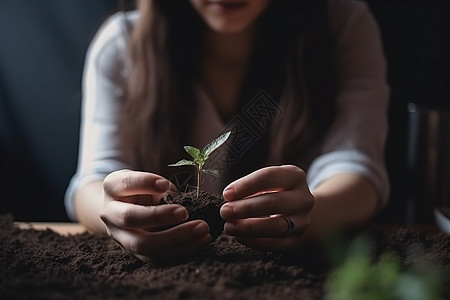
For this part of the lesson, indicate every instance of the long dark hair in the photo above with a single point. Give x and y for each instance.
(291, 61)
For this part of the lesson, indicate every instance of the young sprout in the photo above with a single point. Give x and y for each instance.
(200, 157)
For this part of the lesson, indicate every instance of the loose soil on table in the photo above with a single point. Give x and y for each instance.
(45, 265)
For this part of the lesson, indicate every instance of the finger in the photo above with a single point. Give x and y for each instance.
(128, 183)
(146, 243)
(143, 199)
(171, 193)
(177, 254)
(271, 227)
(286, 202)
(256, 227)
(125, 215)
(266, 179)
(172, 190)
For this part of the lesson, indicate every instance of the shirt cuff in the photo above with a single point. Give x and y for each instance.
(350, 161)
(76, 181)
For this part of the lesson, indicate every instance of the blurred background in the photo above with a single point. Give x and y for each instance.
(42, 48)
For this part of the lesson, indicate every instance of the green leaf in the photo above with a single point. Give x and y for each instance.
(194, 152)
(215, 144)
(212, 172)
(183, 162)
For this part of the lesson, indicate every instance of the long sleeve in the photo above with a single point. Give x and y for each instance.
(356, 140)
(103, 90)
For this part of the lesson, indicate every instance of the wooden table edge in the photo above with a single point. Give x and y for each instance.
(63, 228)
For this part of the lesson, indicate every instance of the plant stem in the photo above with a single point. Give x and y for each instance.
(199, 172)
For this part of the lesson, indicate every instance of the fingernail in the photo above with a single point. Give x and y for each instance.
(201, 228)
(229, 193)
(227, 212)
(228, 228)
(180, 214)
(162, 184)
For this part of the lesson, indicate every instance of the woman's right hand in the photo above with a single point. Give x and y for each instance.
(134, 219)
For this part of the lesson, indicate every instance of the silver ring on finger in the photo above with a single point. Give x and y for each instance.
(290, 225)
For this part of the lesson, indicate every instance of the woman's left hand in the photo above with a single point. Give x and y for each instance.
(269, 209)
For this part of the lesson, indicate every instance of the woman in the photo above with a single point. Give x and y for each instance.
(178, 73)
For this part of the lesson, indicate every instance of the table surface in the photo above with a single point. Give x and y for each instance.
(63, 228)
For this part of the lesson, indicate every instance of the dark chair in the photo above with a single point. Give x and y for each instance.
(428, 162)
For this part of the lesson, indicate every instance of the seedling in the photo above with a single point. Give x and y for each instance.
(200, 157)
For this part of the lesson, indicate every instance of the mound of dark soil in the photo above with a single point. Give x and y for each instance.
(45, 265)
(205, 207)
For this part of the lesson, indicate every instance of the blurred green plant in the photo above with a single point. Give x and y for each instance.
(361, 276)
(200, 157)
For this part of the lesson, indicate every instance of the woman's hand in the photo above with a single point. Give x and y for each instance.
(134, 219)
(269, 209)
